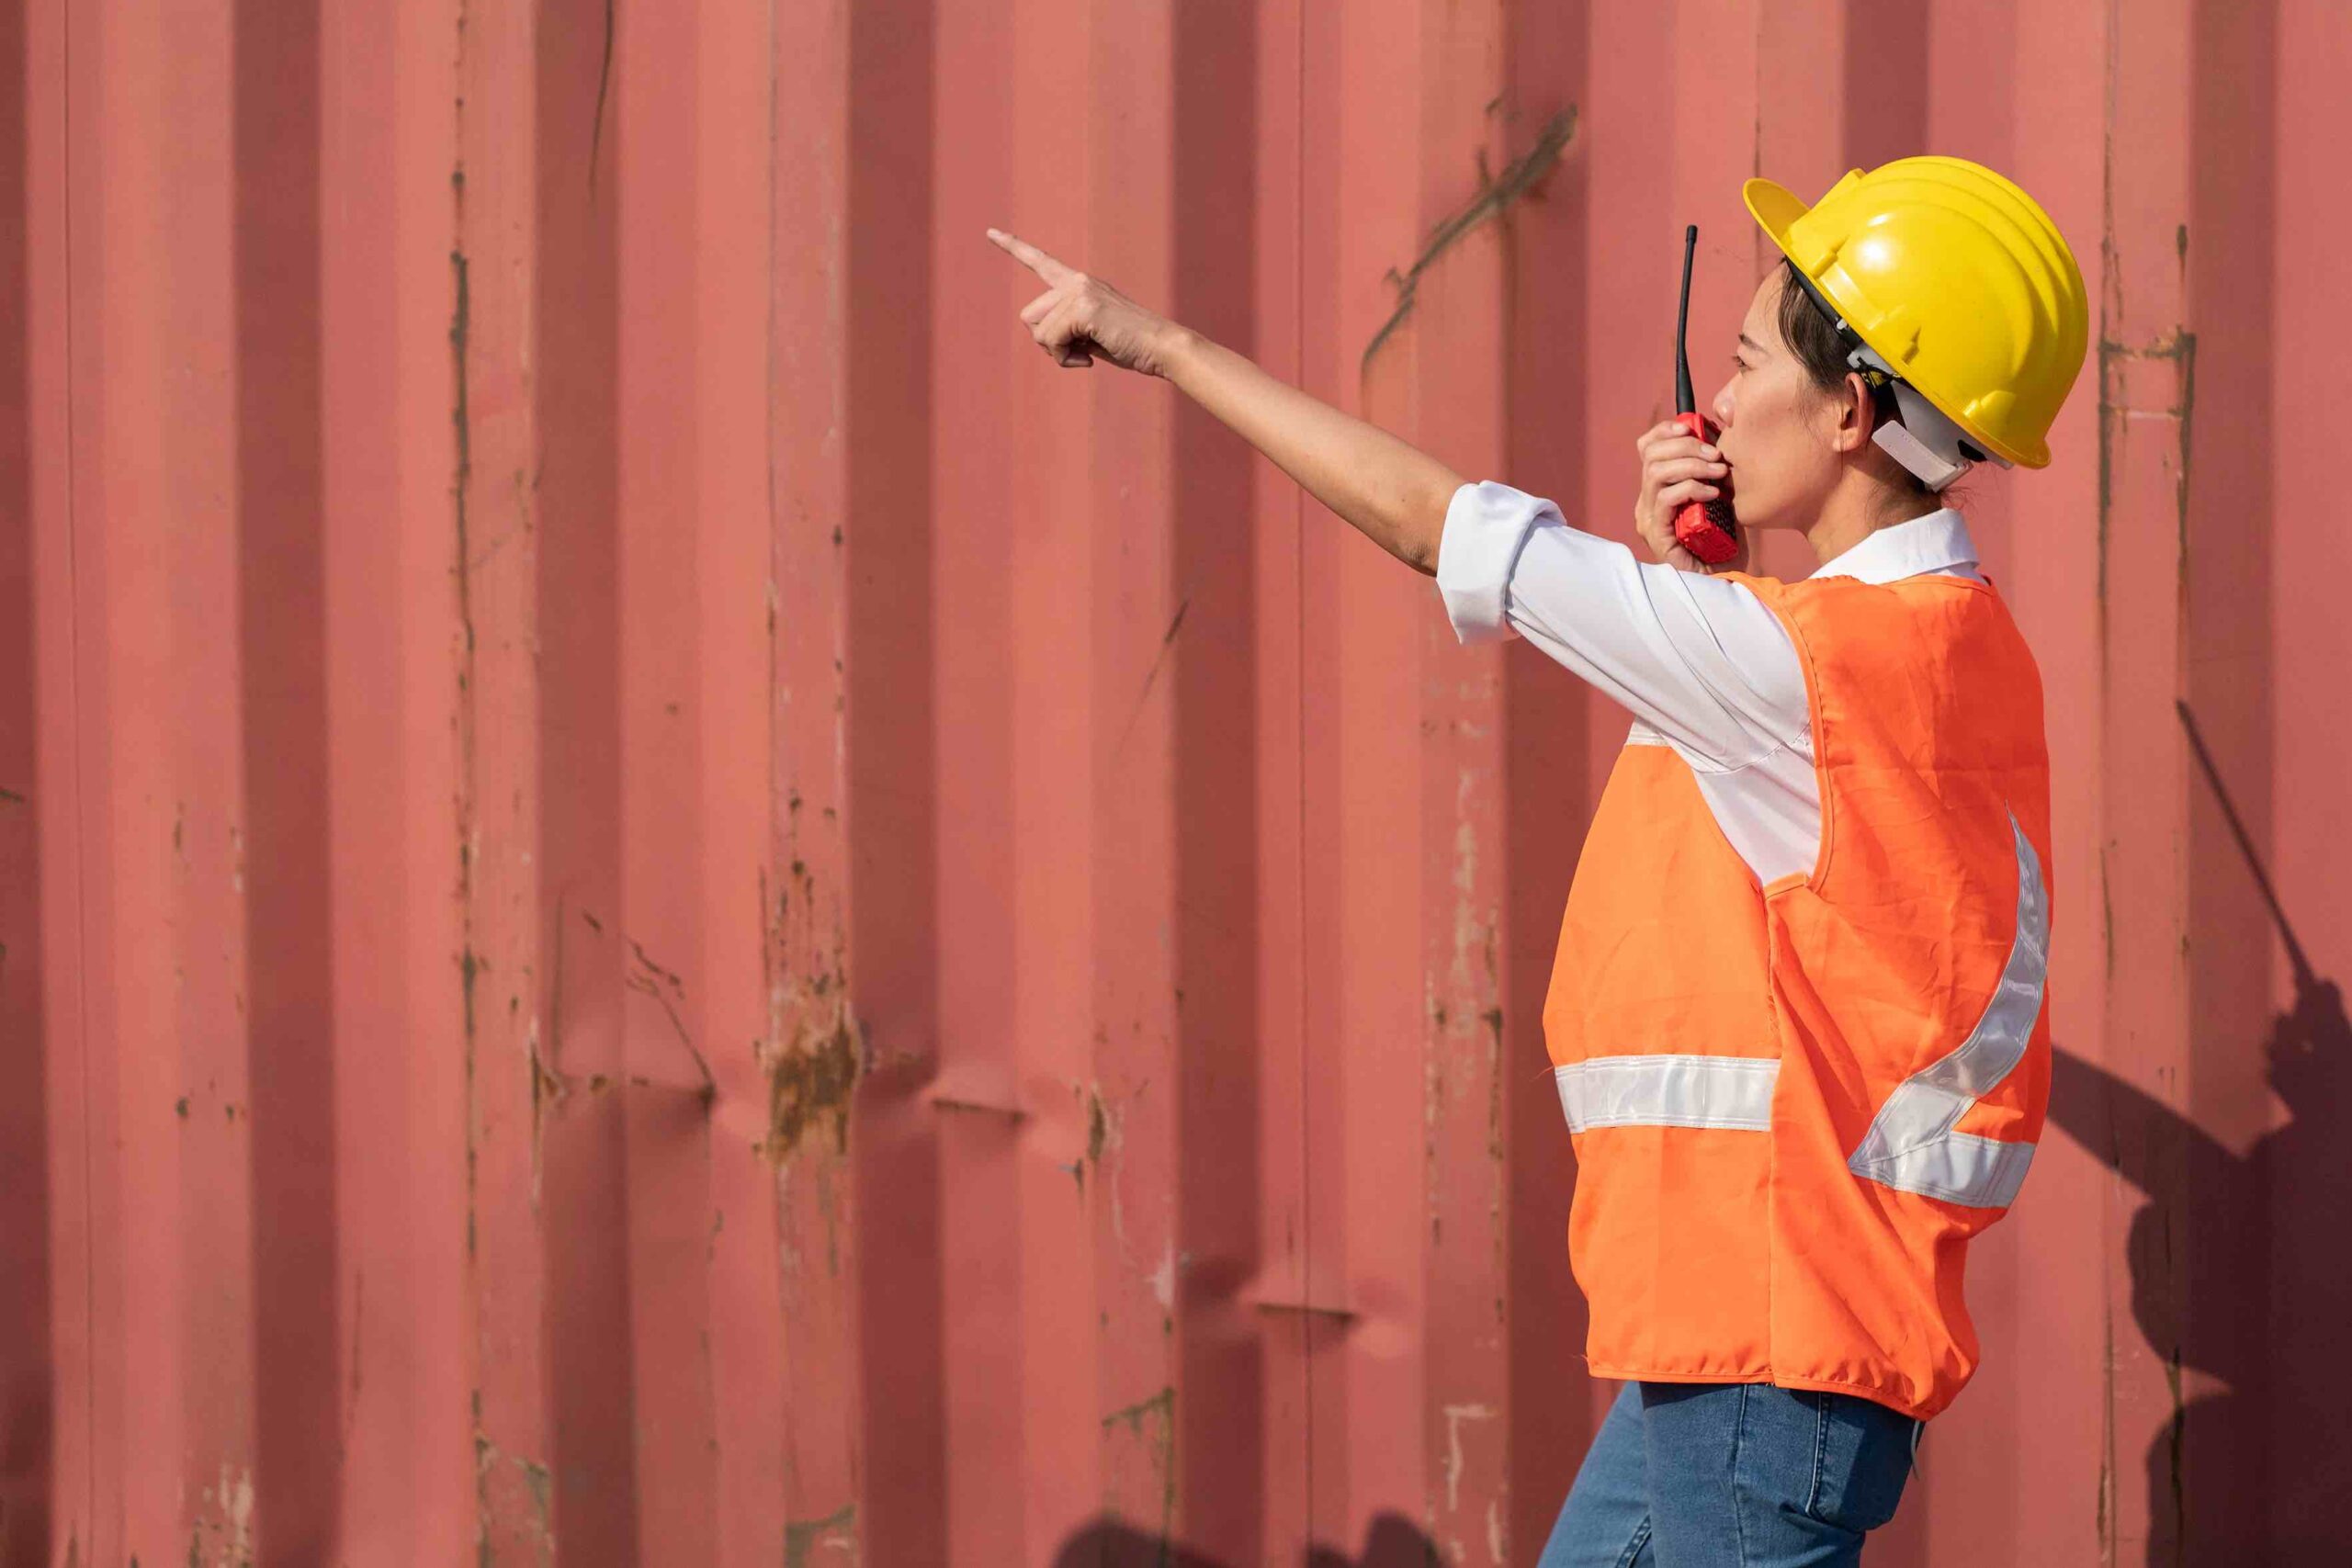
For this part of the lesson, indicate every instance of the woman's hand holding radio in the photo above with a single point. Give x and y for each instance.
(1678, 469)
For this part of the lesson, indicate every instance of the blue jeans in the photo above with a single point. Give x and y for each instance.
(1733, 1475)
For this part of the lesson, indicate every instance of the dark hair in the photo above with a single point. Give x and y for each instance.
(1812, 338)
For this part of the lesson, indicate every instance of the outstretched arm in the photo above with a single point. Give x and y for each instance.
(1392, 491)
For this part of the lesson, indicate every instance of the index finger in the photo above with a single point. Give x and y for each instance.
(1680, 444)
(1030, 256)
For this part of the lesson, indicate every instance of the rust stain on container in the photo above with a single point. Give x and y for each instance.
(813, 1076)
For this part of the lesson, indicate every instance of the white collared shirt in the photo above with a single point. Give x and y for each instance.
(1699, 661)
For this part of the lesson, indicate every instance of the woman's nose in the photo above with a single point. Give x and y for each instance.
(1721, 407)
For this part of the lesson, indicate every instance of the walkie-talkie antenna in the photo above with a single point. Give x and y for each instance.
(1709, 529)
(1684, 401)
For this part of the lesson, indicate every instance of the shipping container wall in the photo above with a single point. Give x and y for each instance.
(665, 901)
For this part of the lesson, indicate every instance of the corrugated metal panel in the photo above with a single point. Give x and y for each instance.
(661, 901)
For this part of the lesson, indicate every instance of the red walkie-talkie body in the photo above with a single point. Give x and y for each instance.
(1708, 529)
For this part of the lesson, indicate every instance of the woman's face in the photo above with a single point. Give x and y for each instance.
(1781, 435)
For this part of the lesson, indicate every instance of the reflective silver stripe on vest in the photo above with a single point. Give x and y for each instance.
(1668, 1091)
(1911, 1144)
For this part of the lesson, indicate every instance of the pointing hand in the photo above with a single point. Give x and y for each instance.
(1078, 318)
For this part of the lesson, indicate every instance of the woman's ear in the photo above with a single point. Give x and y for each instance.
(1857, 414)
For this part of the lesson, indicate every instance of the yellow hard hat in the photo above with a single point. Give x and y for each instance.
(1955, 278)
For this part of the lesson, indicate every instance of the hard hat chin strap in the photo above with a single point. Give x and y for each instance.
(1913, 431)
(1930, 447)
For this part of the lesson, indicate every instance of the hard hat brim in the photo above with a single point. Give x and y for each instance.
(1775, 209)
(1774, 206)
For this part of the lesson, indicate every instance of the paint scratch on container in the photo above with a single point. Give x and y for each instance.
(1167, 641)
(2184, 363)
(1105, 1135)
(2110, 315)
(1304, 1308)
(1467, 925)
(223, 1533)
(2121, 395)
(548, 1080)
(1163, 1279)
(535, 1485)
(461, 430)
(1096, 1131)
(1454, 1416)
(653, 970)
(2111, 440)
(2107, 916)
(463, 718)
(604, 84)
(1493, 198)
(537, 1495)
(1148, 1425)
(836, 1532)
(2107, 1473)
(1493, 1017)
(668, 991)
(985, 1108)
(548, 1086)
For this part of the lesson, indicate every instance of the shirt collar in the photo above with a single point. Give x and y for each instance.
(1934, 543)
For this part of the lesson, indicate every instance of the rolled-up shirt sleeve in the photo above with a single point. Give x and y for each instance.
(1697, 657)
(1485, 525)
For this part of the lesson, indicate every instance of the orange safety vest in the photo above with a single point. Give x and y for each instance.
(1793, 1104)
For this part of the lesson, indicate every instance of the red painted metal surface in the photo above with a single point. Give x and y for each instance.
(660, 900)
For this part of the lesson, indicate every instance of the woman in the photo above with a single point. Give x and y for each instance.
(1796, 1010)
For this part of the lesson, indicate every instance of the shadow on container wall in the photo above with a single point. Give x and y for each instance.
(2237, 1273)
(1393, 1542)
(26, 1417)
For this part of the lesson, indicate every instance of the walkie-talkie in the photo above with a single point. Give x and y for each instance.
(1706, 528)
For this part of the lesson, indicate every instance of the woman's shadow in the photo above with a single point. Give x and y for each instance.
(2241, 1270)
